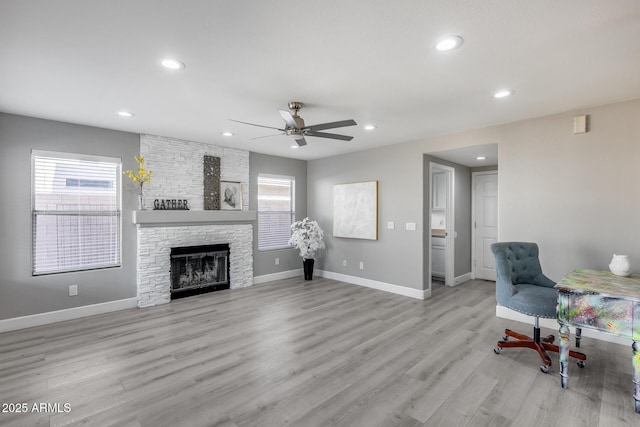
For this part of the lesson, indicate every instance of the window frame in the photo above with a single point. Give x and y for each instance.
(118, 210)
(292, 204)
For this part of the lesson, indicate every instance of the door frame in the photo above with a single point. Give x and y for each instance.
(449, 253)
(474, 256)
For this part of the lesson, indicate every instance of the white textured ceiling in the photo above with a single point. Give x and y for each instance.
(80, 61)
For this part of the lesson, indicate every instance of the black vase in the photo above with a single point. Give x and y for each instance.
(308, 268)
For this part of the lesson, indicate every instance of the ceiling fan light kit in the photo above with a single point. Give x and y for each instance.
(296, 128)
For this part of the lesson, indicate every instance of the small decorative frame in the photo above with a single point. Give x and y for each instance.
(231, 195)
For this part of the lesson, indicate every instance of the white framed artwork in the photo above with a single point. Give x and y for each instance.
(355, 210)
(230, 195)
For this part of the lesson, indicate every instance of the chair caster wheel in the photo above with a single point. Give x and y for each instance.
(496, 350)
(544, 369)
(581, 363)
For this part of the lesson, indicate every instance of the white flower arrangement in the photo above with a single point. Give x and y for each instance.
(307, 236)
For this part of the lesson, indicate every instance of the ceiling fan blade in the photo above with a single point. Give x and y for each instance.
(288, 118)
(266, 136)
(332, 125)
(253, 124)
(301, 141)
(330, 135)
(292, 121)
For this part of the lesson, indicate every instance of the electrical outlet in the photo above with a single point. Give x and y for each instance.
(73, 290)
(411, 226)
(361, 265)
(344, 262)
(277, 261)
(391, 225)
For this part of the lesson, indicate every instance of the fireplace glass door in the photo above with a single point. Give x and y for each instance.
(199, 269)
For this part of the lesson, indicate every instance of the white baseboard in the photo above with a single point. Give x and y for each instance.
(374, 284)
(506, 313)
(39, 319)
(461, 279)
(277, 276)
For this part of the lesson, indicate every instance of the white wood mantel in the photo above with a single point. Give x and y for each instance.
(162, 218)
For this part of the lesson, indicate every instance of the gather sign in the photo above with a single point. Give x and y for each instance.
(170, 205)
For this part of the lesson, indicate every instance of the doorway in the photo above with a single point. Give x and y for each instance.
(485, 223)
(441, 223)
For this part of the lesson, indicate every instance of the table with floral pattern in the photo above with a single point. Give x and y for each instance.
(604, 302)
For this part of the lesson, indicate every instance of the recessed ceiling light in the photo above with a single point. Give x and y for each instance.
(370, 127)
(481, 158)
(295, 146)
(449, 43)
(125, 114)
(503, 93)
(172, 64)
(227, 134)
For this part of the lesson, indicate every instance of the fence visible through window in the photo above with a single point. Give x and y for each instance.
(276, 211)
(76, 212)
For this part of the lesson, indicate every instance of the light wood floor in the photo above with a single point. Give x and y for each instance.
(301, 353)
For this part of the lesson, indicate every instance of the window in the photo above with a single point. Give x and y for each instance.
(276, 211)
(76, 212)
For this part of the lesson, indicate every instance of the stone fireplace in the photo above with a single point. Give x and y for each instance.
(157, 234)
(177, 167)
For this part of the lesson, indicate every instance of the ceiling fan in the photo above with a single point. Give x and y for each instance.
(295, 127)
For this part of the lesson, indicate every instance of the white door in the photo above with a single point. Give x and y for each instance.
(486, 223)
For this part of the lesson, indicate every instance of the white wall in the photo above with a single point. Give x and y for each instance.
(178, 169)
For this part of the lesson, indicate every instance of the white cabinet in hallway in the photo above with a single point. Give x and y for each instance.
(439, 190)
(437, 256)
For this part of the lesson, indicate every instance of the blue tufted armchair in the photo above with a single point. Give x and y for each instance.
(521, 286)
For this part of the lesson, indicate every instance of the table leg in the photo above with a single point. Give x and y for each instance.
(636, 374)
(564, 355)
(578, 336)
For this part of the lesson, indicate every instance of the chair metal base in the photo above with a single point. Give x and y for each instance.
(541, 345)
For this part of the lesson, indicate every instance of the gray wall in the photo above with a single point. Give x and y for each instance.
(396, 257)
(462, 211)
(578, 196)
(22, 294)
(264, 261)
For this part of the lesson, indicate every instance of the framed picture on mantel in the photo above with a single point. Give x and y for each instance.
(230, 195)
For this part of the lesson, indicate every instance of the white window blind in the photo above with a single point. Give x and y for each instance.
(76, 212)
(276, 211)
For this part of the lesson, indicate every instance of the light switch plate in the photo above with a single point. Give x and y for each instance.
(411, 226)
(391, 225)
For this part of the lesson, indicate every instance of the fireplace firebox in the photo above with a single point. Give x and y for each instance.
(199, 269)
